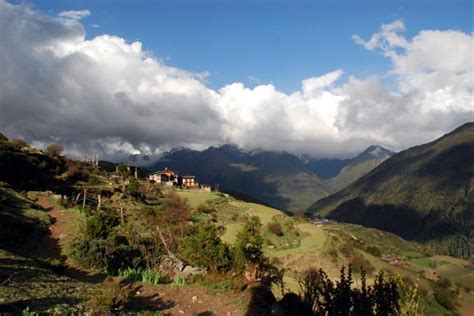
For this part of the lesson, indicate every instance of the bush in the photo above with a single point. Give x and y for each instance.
(249, 243)
(109, 298)
(54, 150)
(275, 228)
(359, 263)
(133, 187)
(374, 251)
(18, 144)
(347, 250)
(325, 297)
(101, 224)
(95, 245)
(205, 249)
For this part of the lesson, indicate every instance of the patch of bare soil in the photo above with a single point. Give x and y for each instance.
(187, 300)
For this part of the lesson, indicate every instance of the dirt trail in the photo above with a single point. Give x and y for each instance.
(50, 245)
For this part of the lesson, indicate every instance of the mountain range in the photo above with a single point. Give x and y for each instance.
(425, 193)
(279, 179)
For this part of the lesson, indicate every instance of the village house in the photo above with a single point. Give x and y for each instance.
(169, 177)
(166, 177)
(188, 182)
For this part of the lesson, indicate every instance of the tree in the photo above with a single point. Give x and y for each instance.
(205, 249)
(54, 150)
(250, 242)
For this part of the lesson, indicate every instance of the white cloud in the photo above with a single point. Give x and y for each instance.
(75, 14)
(111, 96)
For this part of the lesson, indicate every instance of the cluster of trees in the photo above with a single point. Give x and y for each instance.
(319, 295)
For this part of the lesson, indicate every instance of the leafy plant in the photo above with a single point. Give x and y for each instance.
(28, 312)
(144, 275)
(179, 281)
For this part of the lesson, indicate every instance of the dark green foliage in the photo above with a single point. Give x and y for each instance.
(3, 138)
(261, 301)
(101, 224)
(319, 295)
(133, 187)
(249, 243)
(325, 297)
(99, 247)
(205, 249)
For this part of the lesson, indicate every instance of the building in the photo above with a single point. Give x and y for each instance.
(188, 182)
(166, 177)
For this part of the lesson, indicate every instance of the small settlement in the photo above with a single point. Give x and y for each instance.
(171, 178)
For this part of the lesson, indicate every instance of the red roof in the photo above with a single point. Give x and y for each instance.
(169, 171)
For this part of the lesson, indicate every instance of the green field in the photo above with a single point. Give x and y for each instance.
(197, 198)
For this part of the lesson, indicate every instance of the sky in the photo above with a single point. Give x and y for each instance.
(327, 78)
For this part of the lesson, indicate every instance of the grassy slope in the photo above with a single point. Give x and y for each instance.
(424, 193)
(316, 244)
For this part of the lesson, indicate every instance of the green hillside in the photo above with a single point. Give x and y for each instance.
(110, 251)
(424, 193)
(304, 244)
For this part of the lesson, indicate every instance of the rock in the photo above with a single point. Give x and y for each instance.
(181, 311)
(187, 271)
(194, 298)
(171, 264)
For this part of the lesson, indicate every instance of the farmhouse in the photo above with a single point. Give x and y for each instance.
(166, 177)
(188, 182)
(169, 177)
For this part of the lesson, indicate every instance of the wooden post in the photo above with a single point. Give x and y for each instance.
(136, 172)
(84, 200)
(99, 202)
(77, 198)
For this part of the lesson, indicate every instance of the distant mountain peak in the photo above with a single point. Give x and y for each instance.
(376, 151)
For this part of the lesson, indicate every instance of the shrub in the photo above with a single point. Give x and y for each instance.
(275, 228)
(101, 224)
(133, 187)
(374, 251)
(444, 298)
(205, 249)
(95, 245)
(18, 144)
(249, 243)
(54, 150)
(109, 298)
(359, 263)
(347, 250)
(325, 297)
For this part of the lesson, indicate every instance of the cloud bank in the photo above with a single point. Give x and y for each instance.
(111, 96)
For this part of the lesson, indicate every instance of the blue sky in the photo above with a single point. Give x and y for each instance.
(255, 42)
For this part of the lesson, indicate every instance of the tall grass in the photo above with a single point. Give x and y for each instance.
(144, 275)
